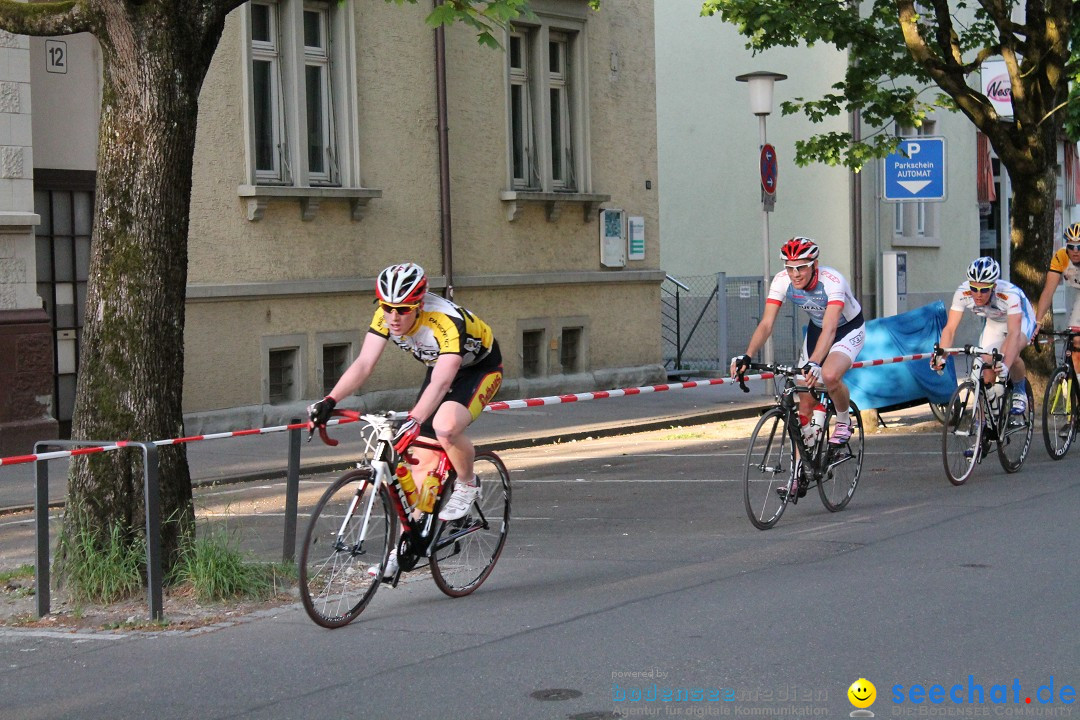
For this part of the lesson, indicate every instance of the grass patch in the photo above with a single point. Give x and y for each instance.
(103, 574)
(23, 572)
(213, 570)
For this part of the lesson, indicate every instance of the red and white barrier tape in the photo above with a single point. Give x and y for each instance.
(492, 407)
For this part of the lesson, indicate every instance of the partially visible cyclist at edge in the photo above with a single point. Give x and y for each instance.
(1065, 265)
(834, 336)
(464, 372)
(1010, 324)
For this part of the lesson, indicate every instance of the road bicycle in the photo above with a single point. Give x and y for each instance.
(1061, 403)
(781, 467)
(367, 511)
(980, 414)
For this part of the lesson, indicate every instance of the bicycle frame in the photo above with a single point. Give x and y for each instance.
(994, 420)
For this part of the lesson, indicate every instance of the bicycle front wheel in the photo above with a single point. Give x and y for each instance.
(465, 550)
(1014, 439)
(1059, 414)
(342, 540)
(770, 471)
(962, 433)
(843, 464)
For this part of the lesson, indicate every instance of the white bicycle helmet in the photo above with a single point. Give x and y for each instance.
(403, 284)
(984, 270)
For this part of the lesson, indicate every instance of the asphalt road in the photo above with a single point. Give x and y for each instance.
(631, 571)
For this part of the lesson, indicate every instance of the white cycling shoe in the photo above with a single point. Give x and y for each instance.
(459, 502)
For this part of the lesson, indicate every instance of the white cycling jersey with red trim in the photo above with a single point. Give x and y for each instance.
(1007, 299)
(830, 289)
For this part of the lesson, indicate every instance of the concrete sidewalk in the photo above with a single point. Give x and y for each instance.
(266, 456)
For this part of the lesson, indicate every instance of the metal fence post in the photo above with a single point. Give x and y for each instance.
(292, 492)
(721, 320)
(41, 529)
(152, 501)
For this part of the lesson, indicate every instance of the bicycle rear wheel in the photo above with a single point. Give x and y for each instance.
(844, 468)
(334, 583)
(465, 550)
(1059, 414)
(770, 469)
(962, 433)
(1015, 435)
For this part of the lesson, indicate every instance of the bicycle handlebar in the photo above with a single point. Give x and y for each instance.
(350, 416)
(768, 371)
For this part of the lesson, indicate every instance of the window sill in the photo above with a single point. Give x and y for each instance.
(259, 196)
(554, 202)
(916, 241)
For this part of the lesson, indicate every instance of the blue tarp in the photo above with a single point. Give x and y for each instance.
(909, 333)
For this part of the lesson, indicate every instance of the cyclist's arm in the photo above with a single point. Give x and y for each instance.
(948, 333)
(1046, 299)
(358, 373)
(442, 375)
(764, 328)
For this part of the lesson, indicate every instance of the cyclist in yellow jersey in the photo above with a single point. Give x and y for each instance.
(464, 373)
(1065, 266)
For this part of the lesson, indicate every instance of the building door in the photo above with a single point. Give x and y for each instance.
(65, 202)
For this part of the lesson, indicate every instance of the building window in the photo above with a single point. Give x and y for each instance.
(282, 375)
(298, 98)
(547, 108)
(532, 348)
(570, 350)
(335, 360)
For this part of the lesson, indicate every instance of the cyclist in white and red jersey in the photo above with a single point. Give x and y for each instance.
(1009, 323)
(1065, 268)
(834, 337)
(464, 372)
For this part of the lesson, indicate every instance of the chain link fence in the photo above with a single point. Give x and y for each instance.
(708, 318)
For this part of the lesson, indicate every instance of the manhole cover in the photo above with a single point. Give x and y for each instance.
(598, 715)
(555, 694)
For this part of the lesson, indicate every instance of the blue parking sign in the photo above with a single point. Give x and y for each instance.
(916, 172)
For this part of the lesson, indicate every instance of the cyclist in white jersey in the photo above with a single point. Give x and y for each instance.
(834, 337)
(1009, 323)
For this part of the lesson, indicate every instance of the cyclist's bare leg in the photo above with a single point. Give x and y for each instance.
(832, 375)
(450, 422)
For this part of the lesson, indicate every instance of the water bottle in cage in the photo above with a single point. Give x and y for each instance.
(817, 423)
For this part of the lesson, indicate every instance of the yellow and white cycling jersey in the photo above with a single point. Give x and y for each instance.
(441, 327)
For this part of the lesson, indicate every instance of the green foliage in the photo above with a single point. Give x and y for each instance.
(484, 17)
(103, 571)
(214, 570)
(882, 76)
(1072, 110)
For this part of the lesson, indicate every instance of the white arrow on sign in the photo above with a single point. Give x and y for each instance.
(913, 186)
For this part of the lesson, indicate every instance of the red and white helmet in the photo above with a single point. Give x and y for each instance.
(799, 248)
(403, 284)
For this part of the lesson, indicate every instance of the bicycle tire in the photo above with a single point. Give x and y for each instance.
(770, 467)
(962, 432)
(1059, 413)
(465, 551)
(938, 411)
(335, 585)
(1014, 438)
(837, 484)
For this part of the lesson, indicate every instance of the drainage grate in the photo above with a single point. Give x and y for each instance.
(974, 565)
(596, 715)
(555, 694)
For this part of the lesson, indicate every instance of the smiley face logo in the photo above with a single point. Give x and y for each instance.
(862, 693)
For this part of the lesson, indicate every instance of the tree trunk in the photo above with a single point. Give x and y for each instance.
(131, 370)
(1032, 233)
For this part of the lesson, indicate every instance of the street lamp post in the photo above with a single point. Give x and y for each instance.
(761, 100)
